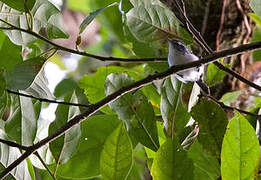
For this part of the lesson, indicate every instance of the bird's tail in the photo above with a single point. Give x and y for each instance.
(203, 86)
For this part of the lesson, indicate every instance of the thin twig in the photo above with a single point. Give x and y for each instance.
(43, 163)
(95, 107)
(231, 108)
(46, 100)
(59, 47)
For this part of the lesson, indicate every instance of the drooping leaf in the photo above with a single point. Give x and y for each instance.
(240, 150)
(212, 121)
(174, 114)
(63, 147)
(91, 16)
(19, 4)
(21, 125)
(94, 85)
(230, 97)
(45, 17)
(10, 154)
(256, 6)
(39, 87)
(116, 156)
(134, 110)
(171, 162)
(95, 131)
(23, 74)
(206, 166)
(255, 18)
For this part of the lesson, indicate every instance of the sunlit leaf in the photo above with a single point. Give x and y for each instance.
(21, 125)
(92, 15)
(116, 156)
(45, 17)
(240, 150)
(230, 97)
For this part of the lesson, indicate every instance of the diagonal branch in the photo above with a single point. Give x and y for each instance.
(112, 97)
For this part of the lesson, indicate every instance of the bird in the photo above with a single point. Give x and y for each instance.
(180, 54)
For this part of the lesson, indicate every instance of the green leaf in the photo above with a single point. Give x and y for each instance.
(11, 54)
(206, 166)
(116, 156)
(21, 124)
(255, 18)
(214, 75)
(240, 150)
(135, 110)
(19, 4)
(63, 147)
(95, 130)
(256, 38)
(212, 121)
(23, 74)
(153, 22)
(39, 87)
(174, 114)
(94, 85)
(256, 6)
(230, 97)
(171, 162)
(91, 16)
(45, 17)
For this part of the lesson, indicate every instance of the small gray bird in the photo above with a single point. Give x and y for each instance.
(180, 54)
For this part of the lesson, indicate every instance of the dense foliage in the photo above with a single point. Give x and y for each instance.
(164, 129)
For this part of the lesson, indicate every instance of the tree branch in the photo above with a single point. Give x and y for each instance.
(47, 100)
(112, 97)
(13, 144)
(59, 47)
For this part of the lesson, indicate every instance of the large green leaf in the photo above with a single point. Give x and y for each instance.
(152, 22)
(171, 162)
(24, 73)
(212, 121)
(85, 163)
(19, 4)
(240, 150)
(45, 16)
(116, 156)
(94, 85)
(174, 114)
(256, 6)
(206, 166)
(135, 110)
(21, 125)
(63, 147)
